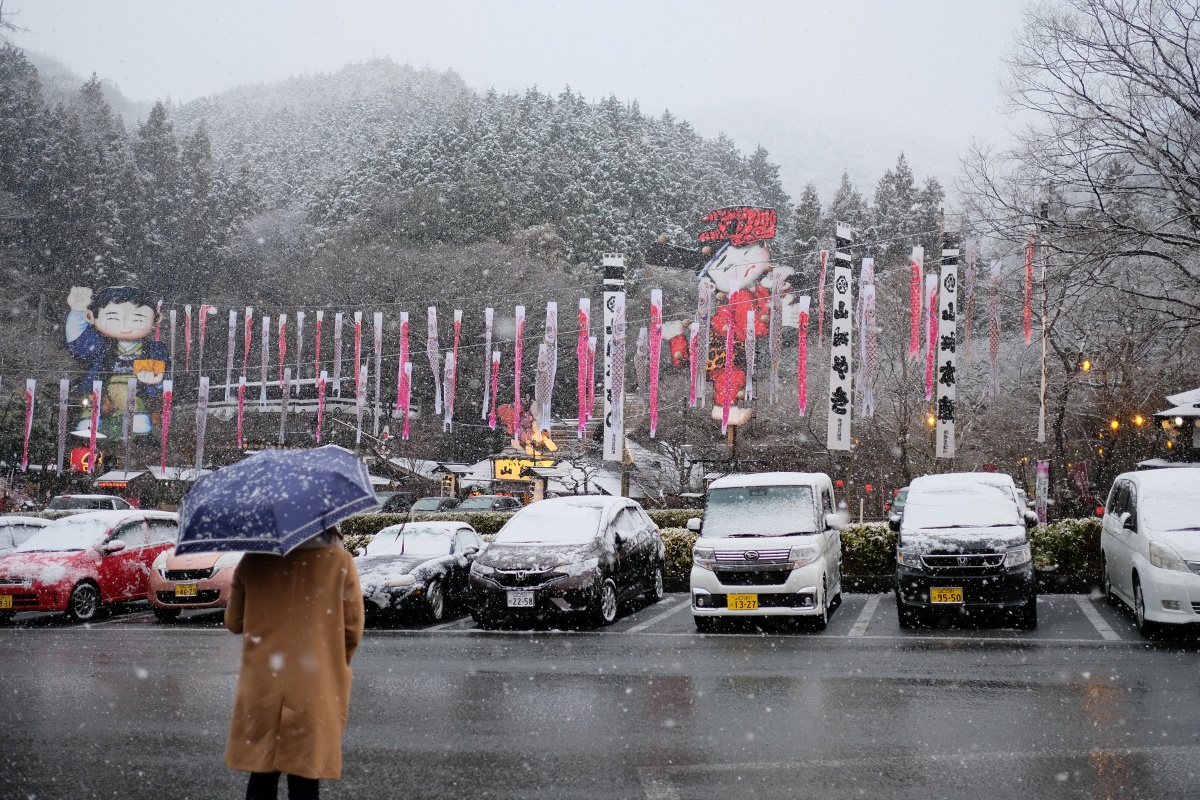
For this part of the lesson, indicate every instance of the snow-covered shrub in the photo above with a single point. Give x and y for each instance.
(1072, 546)
(868, 549)
(678, 543)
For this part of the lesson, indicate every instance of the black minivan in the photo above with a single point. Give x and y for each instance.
(568, 556)
(964, 546)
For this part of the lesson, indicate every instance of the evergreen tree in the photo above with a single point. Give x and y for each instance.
(807, 226)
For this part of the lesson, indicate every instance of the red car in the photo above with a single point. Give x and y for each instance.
(79, 563)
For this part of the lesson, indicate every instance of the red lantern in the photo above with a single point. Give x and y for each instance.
(868, 487)
(840, 483)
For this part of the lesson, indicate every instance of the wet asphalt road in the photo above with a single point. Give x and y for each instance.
(647, 708)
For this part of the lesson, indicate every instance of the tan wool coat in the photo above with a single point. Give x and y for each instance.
(301, 619)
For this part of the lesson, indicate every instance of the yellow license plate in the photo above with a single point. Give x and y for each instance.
(953, 595)
(741, 602)
(185, 590)
(5, 601)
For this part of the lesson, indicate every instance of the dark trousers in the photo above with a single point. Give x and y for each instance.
(265, 786)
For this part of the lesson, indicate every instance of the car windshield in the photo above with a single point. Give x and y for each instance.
(477, 503)
(428, 504)
(75, 503)
(71, 533)
(1170, 508)
(959, 505)
(413, 540)
(552, 522)
(745, 511)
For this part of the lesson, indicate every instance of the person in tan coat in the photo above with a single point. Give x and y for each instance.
(301, 618)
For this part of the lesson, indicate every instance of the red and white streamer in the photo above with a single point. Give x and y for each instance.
(821, 299)
(299, 350)
(693, 359)
(407, 399)
(641, 365)
(751, 352)
(231, 350)
(864, 313)
(448, 380)
(377, 323)
(803, 304)
(917, 264)
(172, 339)
(591, 376)
(317, 336)
(969, 304)
(247, 335)
(704, 309)
(168, 387)
(357, 351)
(453, 388)
(775, 335)
(581, 358)
(187, 337)
(402, 377)
(205, 311)
(97, 397)
(337, 353)
(30, 394)
(360, 397)
(656, 334)
(265, 358)
(495, 388)
(547, 369)
(931, 334)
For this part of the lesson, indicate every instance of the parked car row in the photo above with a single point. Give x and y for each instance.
(769, 545)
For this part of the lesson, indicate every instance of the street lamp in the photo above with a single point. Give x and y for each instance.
(1114, 424)
(1139, 420)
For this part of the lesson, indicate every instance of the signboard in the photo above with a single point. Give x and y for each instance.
(841, 348)
(945, 377)
(509, 469)
(614, 357)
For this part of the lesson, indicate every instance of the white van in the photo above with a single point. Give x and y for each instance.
(769, 546)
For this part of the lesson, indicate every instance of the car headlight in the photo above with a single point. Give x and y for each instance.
(908, 558)
(1164, 557)
(802, 555)
(704, 557)
(578, 568)
(1017, 556)
(160, 561)
(481, 569)
(227, 560)
(399, 581)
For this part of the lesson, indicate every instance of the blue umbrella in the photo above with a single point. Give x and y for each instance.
(273, 501)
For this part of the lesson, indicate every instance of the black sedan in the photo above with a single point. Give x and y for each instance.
(419, 566)
(490, 502)
(568, 556)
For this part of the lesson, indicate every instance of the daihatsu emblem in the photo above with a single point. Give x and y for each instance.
(751, 555)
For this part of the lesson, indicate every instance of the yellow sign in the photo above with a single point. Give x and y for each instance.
(509, 469)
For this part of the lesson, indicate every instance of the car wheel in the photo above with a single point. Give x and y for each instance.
(655, 592)
(435, 601)
(1145, 627)
(822, 620)
(7, 617)
(605, 610)
(1027, 616)
(84, 602)
(166, 614)
(705, 624)
(1106, 583)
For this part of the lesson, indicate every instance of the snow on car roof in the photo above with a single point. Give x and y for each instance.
(1169, 480)
(935, 482)
(17, 519)
(447, 528)
(583, 500)
(769, 479)
(960, 499)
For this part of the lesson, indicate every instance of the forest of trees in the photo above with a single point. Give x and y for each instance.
(384, 187)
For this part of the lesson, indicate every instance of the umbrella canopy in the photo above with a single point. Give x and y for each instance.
(273, 501)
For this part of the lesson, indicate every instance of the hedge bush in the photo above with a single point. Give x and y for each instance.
(869, 549)
(1071, 546)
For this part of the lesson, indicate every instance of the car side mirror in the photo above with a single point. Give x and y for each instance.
(470, 551)
(115, 546)
(1127, 521)
(1031, 519)
(894, 523)
(694, 524)
(620, 540)
(837, 520)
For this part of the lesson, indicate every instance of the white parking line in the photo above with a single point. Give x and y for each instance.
(460, 621)
(1103, 628)
(641, 626)
(864, 618)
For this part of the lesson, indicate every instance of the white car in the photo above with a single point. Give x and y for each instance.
(14, 530)
(1150, 543)
(769, 546)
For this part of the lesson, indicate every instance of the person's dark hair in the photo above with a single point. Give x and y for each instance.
(121, 294)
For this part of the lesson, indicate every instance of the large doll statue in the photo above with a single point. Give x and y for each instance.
(112, 333)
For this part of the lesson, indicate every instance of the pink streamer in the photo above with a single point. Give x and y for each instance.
(728, 401)
(656, 333)
(917, 263)
(581, 357)
(1027, 313)
(821, 299)
(205, 310)
(97, 392)
(407, 398)
(931, 334)
(168, 397)
(693, 359)
(591, 376)
(802, 356)
(317, 354)
(247, 333)
(518, 348)
(401, 376)
(489, 397)
(357, 351)
(495, 388)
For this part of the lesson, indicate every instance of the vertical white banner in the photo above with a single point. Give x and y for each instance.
(265, 357)
(337, 353)
(231, 348)
(377, 322)
(946, 377)
(64, 393)
(841, 350)
(614, 356)
(201, 421)
(299, 351)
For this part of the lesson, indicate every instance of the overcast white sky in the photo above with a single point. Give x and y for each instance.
(823, 85)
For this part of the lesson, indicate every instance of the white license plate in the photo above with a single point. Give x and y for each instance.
(520, 599)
